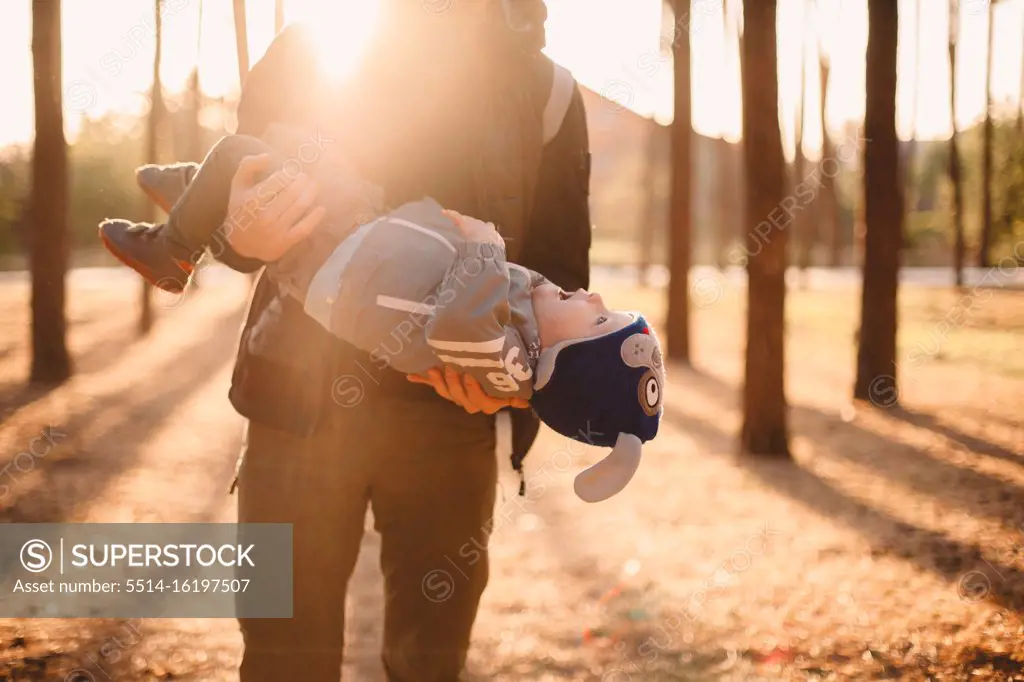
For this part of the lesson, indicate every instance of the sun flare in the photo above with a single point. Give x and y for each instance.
(342, 31)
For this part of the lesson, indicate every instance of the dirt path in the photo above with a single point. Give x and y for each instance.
(143, 432)
(892, 548)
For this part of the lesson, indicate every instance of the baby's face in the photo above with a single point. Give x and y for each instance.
(578, 315)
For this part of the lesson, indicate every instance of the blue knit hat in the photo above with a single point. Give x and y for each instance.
(606, 391)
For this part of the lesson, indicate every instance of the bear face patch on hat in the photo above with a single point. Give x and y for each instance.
(607, 391)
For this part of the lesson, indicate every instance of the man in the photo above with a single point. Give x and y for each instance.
(463, 91)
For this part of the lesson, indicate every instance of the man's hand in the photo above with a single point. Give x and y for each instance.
(476, 230)
(464, 391)
(267, 218)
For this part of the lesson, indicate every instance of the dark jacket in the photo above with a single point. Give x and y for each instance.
(483, 157)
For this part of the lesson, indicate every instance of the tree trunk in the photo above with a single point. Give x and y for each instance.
(909, 180)
(739, 26)
(278, 16)
(723, 197)
(986, 170)
(48, 204)
(736, 209)
(959, 247)
(1020, 104)
(156, 109)
(647, 230)
(764, 400)
(725, 225)
(883, 213)
(827, 213)
(802, 223)
(241, 41)
(195, 129)
(195, 143)
(679, 235)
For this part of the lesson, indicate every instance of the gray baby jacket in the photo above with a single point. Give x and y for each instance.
(413, 292)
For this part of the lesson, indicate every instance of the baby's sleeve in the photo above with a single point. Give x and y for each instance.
(471, 329)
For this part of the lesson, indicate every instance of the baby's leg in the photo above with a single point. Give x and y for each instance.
(202, 209)
(164, 184)
(166, 255)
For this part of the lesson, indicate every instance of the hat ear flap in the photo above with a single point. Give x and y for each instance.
(609, 476)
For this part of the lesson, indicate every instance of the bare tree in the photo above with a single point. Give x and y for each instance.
(1020, 104)
(764, 399)
(648, 228)
(909, 185)
(726, 223)
(278, 16)
(195, 142)
(959, 246)
(802, 224)
(826, 205)
(986, 161)
(156, 110)
(48, 206)
(241, 40)
(883, 213)
(678, 324)
(733, 210)
(649, 213)
(735, 10)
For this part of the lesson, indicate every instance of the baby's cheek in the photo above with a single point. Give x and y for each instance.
(559, 325)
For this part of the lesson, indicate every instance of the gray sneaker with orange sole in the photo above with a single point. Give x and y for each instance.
(164, 185)
(148, 250)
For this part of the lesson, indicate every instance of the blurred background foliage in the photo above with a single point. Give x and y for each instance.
(629, 194)
(102, 161)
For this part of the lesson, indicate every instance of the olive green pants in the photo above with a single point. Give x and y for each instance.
(429, 471)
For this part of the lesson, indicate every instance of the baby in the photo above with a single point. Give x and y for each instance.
(420, 287)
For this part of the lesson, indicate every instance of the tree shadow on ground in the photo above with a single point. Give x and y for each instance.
(17, 396)
(111, 648)
(946, 557)
(974, 491)
(144, 406)
(976, 445)
(107, 344)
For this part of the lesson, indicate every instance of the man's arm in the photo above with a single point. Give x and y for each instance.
(283, 84)
(558, 238)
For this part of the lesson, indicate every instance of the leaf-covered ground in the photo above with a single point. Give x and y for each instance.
(892, 547)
